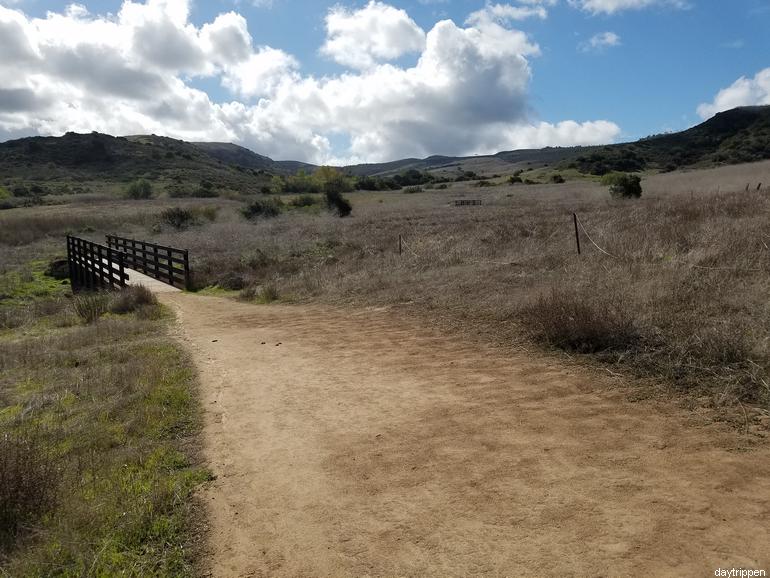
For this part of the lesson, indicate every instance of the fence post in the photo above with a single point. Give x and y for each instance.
(399, 244)
(121, 269)
(69, 263)
(577, 235)
(170, 268)
(187, 284)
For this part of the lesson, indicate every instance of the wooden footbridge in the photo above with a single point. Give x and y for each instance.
(122, 261)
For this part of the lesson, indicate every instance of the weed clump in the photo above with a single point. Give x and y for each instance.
(28, 481)
(91, 306)
(263, 294)
(573, 322)
(132, 298)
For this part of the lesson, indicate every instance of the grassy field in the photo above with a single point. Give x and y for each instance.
(678, 297)
(98, 421)
(98, 426)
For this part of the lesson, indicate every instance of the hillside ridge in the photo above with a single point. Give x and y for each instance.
(735, 136)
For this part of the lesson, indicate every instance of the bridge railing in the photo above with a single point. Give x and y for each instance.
(94, 266)
(166, 264)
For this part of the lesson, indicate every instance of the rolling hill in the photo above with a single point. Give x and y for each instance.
(74, 160)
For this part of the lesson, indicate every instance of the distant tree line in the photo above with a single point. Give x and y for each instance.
(324, 177)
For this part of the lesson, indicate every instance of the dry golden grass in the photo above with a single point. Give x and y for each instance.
(688, 268)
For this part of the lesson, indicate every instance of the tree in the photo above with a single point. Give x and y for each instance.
(623, 186)
(332, 181)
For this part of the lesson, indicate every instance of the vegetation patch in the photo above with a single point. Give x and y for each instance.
(97, 447)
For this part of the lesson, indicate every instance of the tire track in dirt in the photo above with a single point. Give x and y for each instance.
(366, 445)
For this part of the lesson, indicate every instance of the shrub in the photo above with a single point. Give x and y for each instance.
(177, 217)
(263, 208)
(28, 481)
(336, 202)
(557, 179)
(90, 306)
(58, 269)
(139, 189)
(413, 189)
(514, 179)
(4, 193)
(305, 201)
(21, 191)
(576, 322)
(623, 185)
(264, 294)
(132, 298)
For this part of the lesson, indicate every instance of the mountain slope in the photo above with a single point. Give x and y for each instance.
(93, 158)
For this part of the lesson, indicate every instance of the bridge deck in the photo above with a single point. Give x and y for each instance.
(137, 278)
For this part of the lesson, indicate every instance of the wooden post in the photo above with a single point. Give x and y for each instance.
(577, 235)
(187, 284)
(121, 270)
(170, 268)
(70, 264)
(759, 186)
(399, 244)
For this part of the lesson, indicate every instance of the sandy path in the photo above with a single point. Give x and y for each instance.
(364, 445)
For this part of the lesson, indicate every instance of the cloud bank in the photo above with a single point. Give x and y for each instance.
(135, 72)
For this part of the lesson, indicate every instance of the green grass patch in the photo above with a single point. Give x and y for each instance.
(111, 412)
(30, 283)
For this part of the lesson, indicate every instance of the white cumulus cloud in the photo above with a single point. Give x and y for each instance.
(378, 32)
(742, 92)
(134, 72)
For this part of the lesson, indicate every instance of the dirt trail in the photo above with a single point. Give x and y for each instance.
(365, 445)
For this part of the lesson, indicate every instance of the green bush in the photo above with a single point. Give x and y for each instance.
(624, 186)
(139, 189)
(4, 193)
(263, 208)
(91, 306)
(557, 179)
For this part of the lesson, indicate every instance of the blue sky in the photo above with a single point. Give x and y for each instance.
(650, 66)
